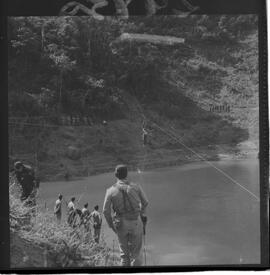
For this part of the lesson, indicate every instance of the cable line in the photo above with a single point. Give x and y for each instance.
(173, 136)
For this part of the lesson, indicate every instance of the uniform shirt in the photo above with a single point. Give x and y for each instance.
(85, 211)
(57, 208)
(85, 214)
(145, 133)
(96, 217)
(114, 201)
(26, 178)
(71, 206)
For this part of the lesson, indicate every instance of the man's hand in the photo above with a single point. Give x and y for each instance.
(144, 219)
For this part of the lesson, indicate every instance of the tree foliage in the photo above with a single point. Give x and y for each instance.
(76, 66)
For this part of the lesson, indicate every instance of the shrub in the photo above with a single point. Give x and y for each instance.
(65, 246)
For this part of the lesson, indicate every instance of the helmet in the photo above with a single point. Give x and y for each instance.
(18, 165)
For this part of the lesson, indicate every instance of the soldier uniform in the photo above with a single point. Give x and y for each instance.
(86, 218)
(128, 203)
(97, 221)
(71, 212)
(26, 178)
(58, 208)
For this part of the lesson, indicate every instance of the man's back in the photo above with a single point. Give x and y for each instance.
(95, 215)
(71, 206)
(57, 208)
(127, 200)
(124, 209)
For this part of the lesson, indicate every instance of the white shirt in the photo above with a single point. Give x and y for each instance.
(71, 206)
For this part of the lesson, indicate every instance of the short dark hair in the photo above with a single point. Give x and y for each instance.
(86, 205)
(121, 171)
(96, 207)
(60, 196)
(73, 199)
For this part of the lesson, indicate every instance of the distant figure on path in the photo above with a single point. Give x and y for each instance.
(58, 208)
(29, 183)
(124, 210)
(71, 211)
(97, 221)
(144, 134)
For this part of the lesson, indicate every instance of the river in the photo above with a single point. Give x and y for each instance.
(197, 216)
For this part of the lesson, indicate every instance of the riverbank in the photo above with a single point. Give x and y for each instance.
(169, 157)
(37, 240)
(202, 202)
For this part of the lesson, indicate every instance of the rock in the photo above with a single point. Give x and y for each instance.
(73, 152)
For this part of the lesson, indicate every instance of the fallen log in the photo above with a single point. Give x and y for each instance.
(150, 38)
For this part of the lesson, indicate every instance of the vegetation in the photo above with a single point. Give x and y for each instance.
(77, 69)
(37, 240)
(69, 74)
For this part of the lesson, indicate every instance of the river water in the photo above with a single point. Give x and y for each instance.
(197, 216)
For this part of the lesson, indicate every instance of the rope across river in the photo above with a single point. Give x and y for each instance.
(176, 138)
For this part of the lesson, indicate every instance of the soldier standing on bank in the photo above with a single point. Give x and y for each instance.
(58, 208)
(86, 218)
(95, 216)
(71, 211)
(29, 183)
(124, 210)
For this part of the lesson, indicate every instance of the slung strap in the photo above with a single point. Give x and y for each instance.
(126, 198)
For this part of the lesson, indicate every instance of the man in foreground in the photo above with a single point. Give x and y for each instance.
(128, 203)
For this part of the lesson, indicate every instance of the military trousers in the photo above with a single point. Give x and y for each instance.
(130, 237)
(58, 217)
(97, 234)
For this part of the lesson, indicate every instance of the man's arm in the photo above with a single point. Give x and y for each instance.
(144, 201)
(107, 211)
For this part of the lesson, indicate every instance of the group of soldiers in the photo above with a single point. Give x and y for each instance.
(77, 217)
(124, 210)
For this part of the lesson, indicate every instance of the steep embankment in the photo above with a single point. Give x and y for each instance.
(214, 112)
(201, 95)
(38, 240)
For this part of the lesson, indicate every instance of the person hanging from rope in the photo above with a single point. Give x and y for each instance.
(29, 183)
(125, 212)
(96, 219)
(144, 134)
(58, 208)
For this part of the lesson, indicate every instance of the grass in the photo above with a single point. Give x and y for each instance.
(56, 245)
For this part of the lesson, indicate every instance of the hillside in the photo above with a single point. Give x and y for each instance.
(76, 72)
(37, 240)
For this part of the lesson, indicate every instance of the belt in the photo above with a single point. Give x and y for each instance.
(130, 217)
